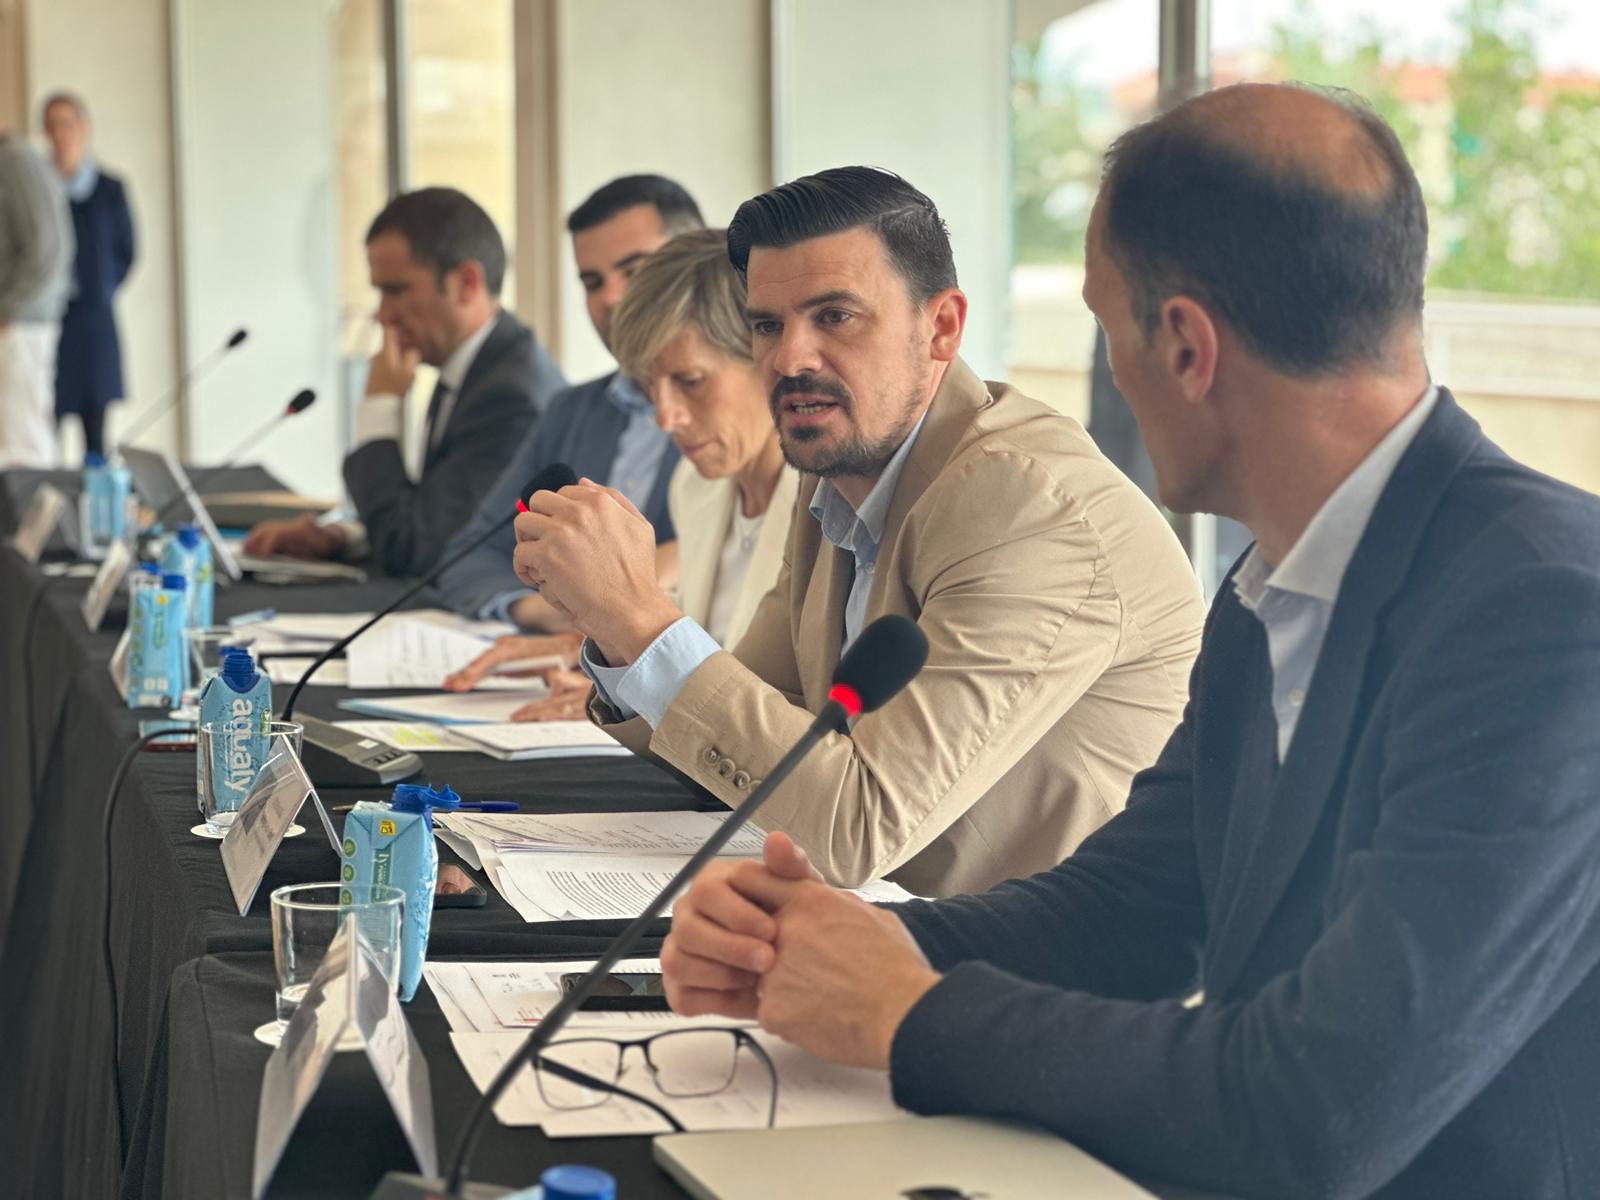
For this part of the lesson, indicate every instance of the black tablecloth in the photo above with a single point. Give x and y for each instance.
(199, 1141)
(59, 1095)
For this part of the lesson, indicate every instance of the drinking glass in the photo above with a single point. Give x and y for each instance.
(307, 916)
(219, 793)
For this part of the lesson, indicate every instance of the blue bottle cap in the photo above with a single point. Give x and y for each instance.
(577, 1183)
(188, 536)
(174, 583)
(414, 798)
(94, 459)
(149, 568)
(238, 668)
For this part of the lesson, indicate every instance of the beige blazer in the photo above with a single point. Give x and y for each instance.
(1062, 618)
(702, 512)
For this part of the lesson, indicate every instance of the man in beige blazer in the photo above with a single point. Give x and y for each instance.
(1061, 614)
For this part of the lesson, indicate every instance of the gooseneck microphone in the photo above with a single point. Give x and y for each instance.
(169, 398)
(552, 479)
(303, 399)
(885, 658)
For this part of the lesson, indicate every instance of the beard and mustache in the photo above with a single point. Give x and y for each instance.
(853, 455)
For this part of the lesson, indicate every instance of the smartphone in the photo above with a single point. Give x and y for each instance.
(177, 742)
(623, 991)
(456, 889)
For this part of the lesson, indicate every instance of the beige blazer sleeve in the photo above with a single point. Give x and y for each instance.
(1021, 617)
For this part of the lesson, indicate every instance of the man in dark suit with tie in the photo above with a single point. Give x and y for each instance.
(1344, 939)
(89, 356)
(438, 263)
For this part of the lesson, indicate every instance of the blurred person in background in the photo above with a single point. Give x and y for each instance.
(89, 358)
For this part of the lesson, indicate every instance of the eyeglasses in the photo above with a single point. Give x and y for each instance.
(683, 1064)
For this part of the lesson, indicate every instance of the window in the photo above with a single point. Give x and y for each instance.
(1498, 104)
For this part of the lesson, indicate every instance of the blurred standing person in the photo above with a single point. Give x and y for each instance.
(89, 361)
(35, 261)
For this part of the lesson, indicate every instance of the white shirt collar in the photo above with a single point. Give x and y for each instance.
(454, 372)
(1316, 563)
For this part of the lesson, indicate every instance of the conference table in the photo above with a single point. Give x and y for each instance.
(128, 1065)
(170, 1077)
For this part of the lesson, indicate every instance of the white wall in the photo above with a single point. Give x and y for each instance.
(923, 90)
(258, 211)
(679, 89)
(116, 56)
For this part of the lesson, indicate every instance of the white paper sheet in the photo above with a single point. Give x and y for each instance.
(333, 673)
(676, 833)
(403, 651)
(409, 735)
(485, 996)
(811, 1092)
(451, 708)
(579, 886)
(529, 740)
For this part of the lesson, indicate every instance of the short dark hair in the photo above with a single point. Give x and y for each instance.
(677, 209)
(842, 198)
(1313, 278)
(444, 229)
(65, 97)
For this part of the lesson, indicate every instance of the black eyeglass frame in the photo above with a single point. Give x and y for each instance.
(742, 1040)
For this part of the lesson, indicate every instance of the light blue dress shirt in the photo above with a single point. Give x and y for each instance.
(81, 184)
(638, 459)
(1294, 600)
(634, 469)
(648, 686)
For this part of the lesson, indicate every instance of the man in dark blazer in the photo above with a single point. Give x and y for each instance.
(438, 263)
(89, 355)
(604, 429)
(1344, 939)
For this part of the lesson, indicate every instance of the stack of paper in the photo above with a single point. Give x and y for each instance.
(416, 648)
(810, 1091)
(481, 997)
(542, 740)
(451, 708)
(595, 866)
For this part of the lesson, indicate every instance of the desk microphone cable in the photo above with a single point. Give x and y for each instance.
(117, 779)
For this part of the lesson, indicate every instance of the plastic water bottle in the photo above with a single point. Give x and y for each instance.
(102, 504)
(571, 1183)
(187, 553)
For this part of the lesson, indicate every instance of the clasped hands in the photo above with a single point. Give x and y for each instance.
(819, 967)
(592, 555)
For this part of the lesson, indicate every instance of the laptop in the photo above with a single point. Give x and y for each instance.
(920, 1158)
(161, 480)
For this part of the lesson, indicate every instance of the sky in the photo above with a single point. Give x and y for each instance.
(1113, 39)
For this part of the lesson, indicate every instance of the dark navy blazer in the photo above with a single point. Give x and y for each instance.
(89, 358)
(581, 428)
(1397, 930)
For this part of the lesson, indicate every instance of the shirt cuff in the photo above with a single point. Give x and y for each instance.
(499, 608)
(356, 543)
(649, 685)
(379, 419)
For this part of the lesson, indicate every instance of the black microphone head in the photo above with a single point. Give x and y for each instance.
(880, 662)
(552, 479)
(303, 400)
(239, 335)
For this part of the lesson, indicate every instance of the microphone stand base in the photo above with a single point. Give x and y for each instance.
(397, 1185)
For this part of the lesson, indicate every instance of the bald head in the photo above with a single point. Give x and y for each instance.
(1291, 213)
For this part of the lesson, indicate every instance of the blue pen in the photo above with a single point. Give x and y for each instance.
(491, 806)
(252, 618)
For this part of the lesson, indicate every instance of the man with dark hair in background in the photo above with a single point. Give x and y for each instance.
(604, 429)
(1061, 612)
(438, 264)
(89, 356)
(1344, 941)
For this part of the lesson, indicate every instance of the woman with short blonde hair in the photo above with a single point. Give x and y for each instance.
(681, 333)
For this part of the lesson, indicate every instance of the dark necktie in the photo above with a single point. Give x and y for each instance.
(435, 428)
